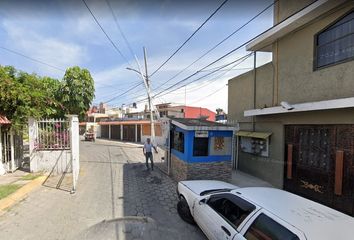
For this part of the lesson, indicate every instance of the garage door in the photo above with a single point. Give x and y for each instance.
(115, 132)
(104, 131)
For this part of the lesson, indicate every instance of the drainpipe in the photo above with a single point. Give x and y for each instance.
(254, 89)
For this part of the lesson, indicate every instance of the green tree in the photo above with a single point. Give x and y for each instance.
(24, 95)
(77, 91)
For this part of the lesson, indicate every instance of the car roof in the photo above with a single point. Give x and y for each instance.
(316, 221)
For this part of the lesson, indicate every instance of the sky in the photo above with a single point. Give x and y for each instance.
(62, 34)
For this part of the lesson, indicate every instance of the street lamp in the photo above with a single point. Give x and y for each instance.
(132, 69)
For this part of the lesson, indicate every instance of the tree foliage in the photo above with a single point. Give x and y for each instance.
(24, 95)
(77, 91)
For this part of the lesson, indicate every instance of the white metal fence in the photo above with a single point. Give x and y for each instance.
(53, 134)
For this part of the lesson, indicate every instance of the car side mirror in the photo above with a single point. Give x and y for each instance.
(203, 201)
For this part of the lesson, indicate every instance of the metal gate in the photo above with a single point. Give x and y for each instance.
(319, 164)
(11, 161)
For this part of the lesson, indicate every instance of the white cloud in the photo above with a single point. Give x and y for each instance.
(55, 51)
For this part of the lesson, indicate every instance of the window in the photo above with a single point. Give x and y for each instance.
(200, 146)
(231, 208)
(336, 43)
(265, 228)
(178, 141)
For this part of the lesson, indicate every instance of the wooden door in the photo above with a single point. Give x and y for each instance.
(319, 164)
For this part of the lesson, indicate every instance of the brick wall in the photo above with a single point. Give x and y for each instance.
(200, 171)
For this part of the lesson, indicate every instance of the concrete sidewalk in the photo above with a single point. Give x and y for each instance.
(12, 177)
(242, 179)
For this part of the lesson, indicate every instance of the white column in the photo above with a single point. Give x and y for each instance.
(32, 138)
(121, 132)
(136, 132)
(109, 131)
(75, 141)
(12, 146)
(2, 169)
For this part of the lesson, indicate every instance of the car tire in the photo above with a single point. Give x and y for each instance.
(184, 212)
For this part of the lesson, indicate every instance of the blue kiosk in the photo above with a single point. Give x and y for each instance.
(200, 149)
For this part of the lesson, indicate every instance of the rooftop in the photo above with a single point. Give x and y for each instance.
(299, 19)
(199, 124)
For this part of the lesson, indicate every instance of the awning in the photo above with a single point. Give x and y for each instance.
(304, 107)
(262, 135)
(290, 24)
(4, 120)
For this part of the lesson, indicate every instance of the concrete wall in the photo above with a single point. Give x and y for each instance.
(298, 81)
(285, 8)
(240, 92)
(51, 161)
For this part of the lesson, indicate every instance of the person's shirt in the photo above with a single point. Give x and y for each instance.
(148, 147)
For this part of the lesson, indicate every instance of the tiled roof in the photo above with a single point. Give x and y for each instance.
(4, 120)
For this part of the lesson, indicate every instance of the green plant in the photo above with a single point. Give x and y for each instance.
(7, 189)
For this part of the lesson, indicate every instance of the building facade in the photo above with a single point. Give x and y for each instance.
(296, 113)
(182, 111)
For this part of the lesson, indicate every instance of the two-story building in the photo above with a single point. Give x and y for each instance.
(182, 111)
(296, 113)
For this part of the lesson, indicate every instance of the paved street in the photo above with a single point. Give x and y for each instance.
(113, 183)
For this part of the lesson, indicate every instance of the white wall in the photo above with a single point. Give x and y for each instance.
(56, 161)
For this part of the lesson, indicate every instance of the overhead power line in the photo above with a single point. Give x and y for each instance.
(119, 28)
(184, 43)
(32, 59)
(195, 80)
(237, 61)
(224, 72)
(105, 33)
(200, 99)
(122, 94)
(218, 44)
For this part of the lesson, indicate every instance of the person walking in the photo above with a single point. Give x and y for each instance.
(147, 150)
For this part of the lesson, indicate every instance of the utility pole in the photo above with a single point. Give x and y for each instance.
(149, 99)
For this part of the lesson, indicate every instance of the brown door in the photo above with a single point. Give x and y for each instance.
(129, 133)
(115, 132)
(319, 164)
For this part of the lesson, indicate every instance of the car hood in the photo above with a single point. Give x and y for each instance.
(199, 186)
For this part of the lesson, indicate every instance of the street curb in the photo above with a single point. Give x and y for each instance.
(20, 194)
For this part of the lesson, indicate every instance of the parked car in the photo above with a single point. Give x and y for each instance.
(225, 211)
(89, 136)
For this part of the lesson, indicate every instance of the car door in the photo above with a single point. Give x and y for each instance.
(220, 214)
(266, 226)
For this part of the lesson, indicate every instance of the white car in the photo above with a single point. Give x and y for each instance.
(225, 211)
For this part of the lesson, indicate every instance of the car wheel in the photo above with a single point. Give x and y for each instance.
(184, 212)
